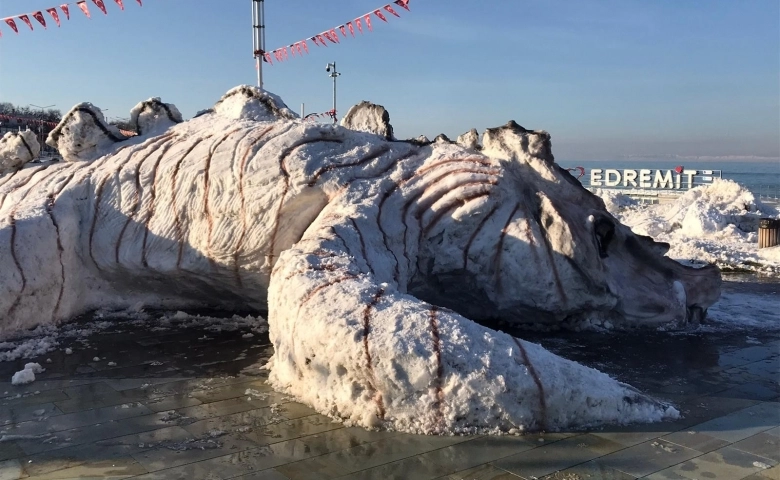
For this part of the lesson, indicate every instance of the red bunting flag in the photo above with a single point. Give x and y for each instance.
(343, 30)
(359, 25)
(26, 20)
(305, 47)
(367, 17)
(83, 6)
(351, 29)
(403, 4)
(322, 40)
(334, 36)
(278, 55)
(39, 16)
(101, 6)
(65, 10)
(12, 24)
(54, 15)
(379, 14)
(390, 9)
(267, 57)
(139, 3)
(314, 39)
(292, 50)
(298, 47)
(121, 6)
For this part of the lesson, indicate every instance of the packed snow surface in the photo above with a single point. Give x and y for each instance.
(716, 223)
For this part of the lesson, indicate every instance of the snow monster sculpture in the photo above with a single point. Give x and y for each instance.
(375, 258)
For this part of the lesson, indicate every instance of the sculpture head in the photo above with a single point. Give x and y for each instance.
(543, 249)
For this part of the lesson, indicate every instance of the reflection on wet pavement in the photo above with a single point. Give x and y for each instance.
(191, 403)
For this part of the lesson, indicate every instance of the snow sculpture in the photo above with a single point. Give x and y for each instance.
(18, 148)
(368, 253)
(83, 134)
(369, 117)
(153, 116)
(469, 140)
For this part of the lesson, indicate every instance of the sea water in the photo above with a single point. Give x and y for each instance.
(761, 178)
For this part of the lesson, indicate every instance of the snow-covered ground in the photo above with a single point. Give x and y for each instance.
(717, 224)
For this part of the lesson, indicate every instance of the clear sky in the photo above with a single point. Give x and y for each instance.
(607, 79)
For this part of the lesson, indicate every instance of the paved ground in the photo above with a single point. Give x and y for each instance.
(192, 404)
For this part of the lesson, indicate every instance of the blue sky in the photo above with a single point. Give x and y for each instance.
(607, 79)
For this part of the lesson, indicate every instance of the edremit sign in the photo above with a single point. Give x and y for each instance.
(677, 178)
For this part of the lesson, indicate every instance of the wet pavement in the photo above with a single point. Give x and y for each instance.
(191, 403)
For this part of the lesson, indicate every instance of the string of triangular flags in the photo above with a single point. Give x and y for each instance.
(54, 13)
(331, 35)
(312, 116)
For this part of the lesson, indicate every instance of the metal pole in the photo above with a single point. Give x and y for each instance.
(334, 74)
(303, 110)
(258, 37)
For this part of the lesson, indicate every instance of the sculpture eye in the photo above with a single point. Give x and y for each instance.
(604, 230)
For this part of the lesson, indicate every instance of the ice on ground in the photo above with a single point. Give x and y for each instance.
(717, 223)
(26, 375)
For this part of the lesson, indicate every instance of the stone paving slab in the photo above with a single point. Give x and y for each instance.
(193, 404)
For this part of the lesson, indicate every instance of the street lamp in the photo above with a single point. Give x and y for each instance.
(331, 68)
(41, 130)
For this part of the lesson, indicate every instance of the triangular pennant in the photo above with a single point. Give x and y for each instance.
(343, 30)
(12, 24)
(101, 6)
(39, 16)
(403, 4)
(390, 9)
(298, 47)
(351, 29)
(267, 57)
(305, 47)
(314, 39)
(121, 5)
(292, 50)
(65, 10)
(83, 6)
(334, 36)
(367, 18)
(322, 40)
(359, 25)
(139, 3)
(277, 55)
(26, 20)
(53, 12)
(380, 15)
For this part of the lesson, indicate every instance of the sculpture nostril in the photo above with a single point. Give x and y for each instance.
(696, 315)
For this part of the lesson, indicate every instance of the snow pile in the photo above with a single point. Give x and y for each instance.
(469, 140)
(717, 223)
(153, 117)
(18, 148)
(712, 209)
(251, 103)
(27, 375)
(614, 200)
(369, 117)
(83, 134)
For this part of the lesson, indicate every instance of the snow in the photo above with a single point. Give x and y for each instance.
(27, 375)
(716, 223)
(614, 200)
(247, 192)
(369, 117)
(18, 148)
(83, 135)
(153, 117)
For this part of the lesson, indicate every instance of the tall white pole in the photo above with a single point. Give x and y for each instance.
(258, 37)
(331, 68)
